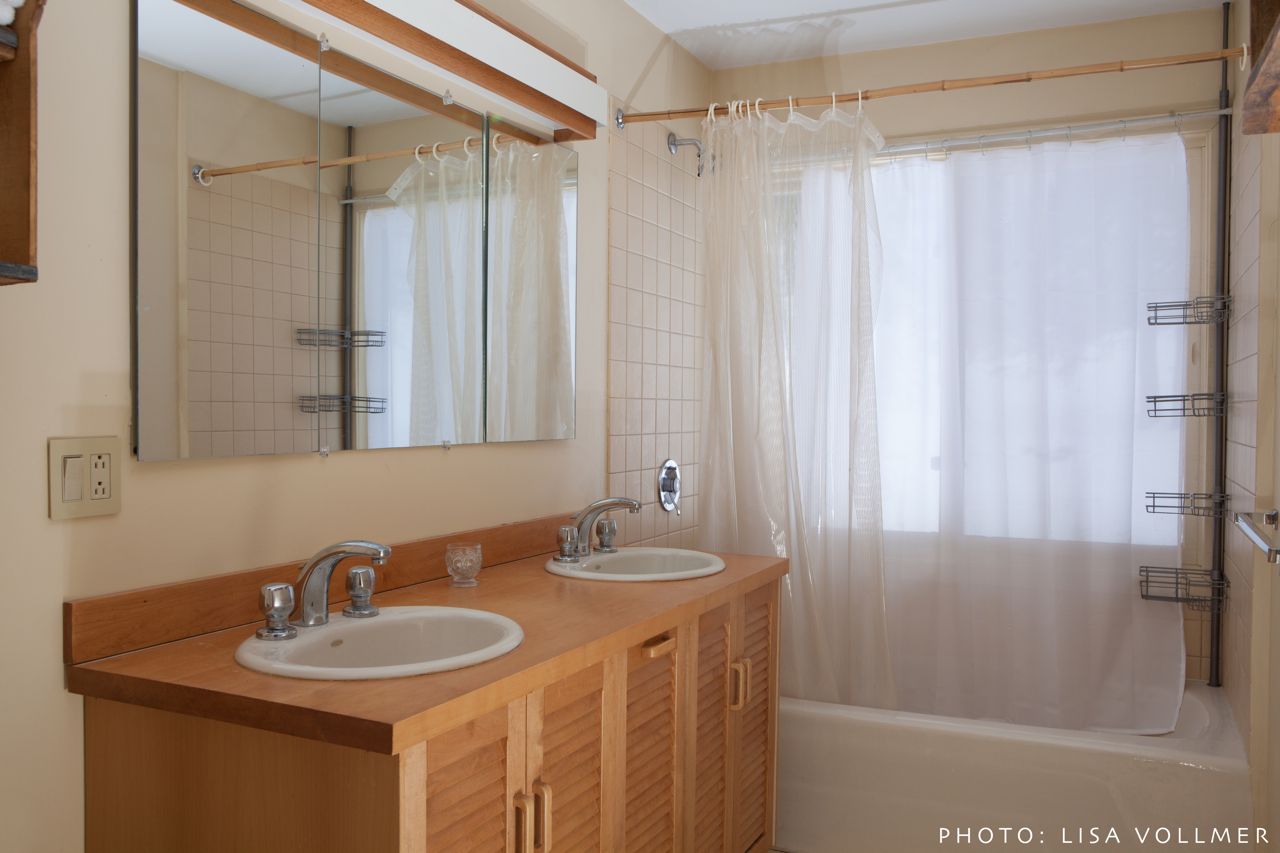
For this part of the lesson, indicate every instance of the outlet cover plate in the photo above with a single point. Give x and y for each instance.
(100, 458)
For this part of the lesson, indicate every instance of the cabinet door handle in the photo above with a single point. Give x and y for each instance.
(746, 689)
(524, 823)
(542, 796)
(739, 700)
(657, 647)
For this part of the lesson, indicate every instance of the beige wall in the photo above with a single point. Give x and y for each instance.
(1015, 105)
(64, 369)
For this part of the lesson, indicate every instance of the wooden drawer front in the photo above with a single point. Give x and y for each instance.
(752, 768)
(651, 744)
(712, 744)
(467, 787)
(571, 759)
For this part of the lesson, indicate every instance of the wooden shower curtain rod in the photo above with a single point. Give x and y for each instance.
(946, 85)
(201, 174)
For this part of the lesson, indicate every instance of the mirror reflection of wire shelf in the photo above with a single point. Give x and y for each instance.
(313, 404)
(1190, 312)
(1208, 504)
(1196, 588)
(1203, 405)
(340, 338)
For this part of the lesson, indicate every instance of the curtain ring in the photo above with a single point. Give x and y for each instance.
(758, 115)
(1068, 136)
(833, 102)
(201, 176)
(435, 152)
(417, 153)
(1244, 56)
(791, 107)
(859, 100)
(466, 146)
(493, 142)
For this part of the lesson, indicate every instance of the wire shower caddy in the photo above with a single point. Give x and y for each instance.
(1198, 589)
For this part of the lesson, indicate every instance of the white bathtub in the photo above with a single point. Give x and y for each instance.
(856, 779)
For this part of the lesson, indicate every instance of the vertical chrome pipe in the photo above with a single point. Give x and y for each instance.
(348, 307)
(1220, 362)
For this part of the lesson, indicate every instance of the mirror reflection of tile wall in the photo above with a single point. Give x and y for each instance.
(251, 268)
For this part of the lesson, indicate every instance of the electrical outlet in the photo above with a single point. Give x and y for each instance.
(84, 476)
(100, 477)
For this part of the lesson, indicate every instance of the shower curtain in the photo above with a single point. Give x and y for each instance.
(530, 382)
(443, 201)
(995, 575)
(1014, 359)
(789, 426)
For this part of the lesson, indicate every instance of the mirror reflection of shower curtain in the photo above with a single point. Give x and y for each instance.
(441, 201)
(1012, 358)
(531, 311)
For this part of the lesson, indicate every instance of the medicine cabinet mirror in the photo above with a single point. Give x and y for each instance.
(330, 258)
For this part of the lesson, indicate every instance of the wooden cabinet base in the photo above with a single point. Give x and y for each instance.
(665, 746)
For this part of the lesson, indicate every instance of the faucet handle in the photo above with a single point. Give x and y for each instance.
(606, 530)
(568, 544)
(360, 582)
(277, 604)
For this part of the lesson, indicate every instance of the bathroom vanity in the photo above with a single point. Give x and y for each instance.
(634, 716)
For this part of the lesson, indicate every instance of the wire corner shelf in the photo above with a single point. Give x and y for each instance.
(341, 338)
(1201, 405)
(1189, 312)
(1196, 588)
(314, 404)
(1206, 504)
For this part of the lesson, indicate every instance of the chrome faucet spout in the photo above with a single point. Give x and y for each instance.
(314, 577)
(586, 520)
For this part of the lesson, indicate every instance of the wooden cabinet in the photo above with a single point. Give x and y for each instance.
(663, 745)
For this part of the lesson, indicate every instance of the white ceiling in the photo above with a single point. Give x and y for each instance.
(173, 35)
(732, 33)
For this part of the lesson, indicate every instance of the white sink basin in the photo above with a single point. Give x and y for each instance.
(641, 564)
(397, 642)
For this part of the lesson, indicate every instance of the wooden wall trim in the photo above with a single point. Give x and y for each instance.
(120, 622)
(18, 151)
(393, 30)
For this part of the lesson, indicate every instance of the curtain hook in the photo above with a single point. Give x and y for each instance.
(1124, 130)
(791, 107)
(1028, 140)
(435, 152)
(859, 100)
(417, 153)
(711, 113)
(494, 142)
(466, 146)
(833, 102)
(1068, 136)
(1244, 56)
(758, 115)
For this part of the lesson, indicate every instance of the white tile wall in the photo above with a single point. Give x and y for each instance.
(251, 281)
(656, 286)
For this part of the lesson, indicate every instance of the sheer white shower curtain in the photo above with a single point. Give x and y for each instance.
(1013, 360)
(789, 387)
(443, 198)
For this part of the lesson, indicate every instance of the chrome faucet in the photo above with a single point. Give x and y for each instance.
(575, 542)
(313, 580)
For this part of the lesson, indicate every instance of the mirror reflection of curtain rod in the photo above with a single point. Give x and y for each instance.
(205, 176)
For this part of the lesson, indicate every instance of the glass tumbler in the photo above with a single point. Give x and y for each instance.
(463, 561)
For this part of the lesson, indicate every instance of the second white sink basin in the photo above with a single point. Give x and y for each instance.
(399, 641)
(641, 564)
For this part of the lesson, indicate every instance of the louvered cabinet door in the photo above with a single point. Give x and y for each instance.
(755, 728)
(650, 799)
(473, 774)
(711, 739)
(565, 758)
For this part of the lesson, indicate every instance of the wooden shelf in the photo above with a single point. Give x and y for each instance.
(18, 146)
(1262, 94)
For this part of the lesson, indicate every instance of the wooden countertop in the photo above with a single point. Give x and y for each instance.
(568, 625)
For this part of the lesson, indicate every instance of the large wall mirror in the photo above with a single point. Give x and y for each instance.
(330, 258)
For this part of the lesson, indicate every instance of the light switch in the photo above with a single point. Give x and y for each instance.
(73, 478)
(84, 476)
